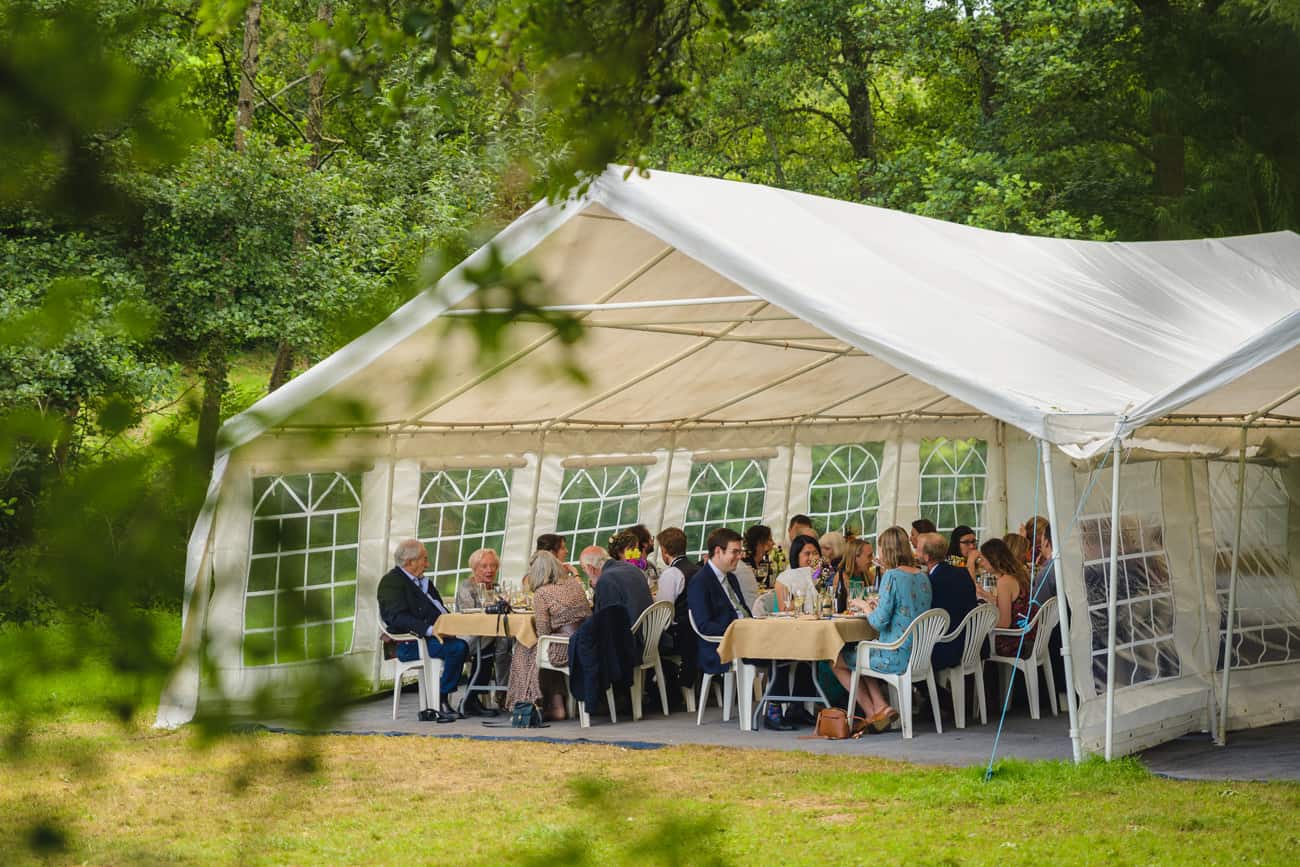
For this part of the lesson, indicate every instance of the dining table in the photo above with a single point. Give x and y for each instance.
(786, 639)
(517, 624)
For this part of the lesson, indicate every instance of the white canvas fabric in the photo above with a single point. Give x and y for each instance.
(722, 317)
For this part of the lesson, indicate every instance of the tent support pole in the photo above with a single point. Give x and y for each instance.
(1045, 451)
(668, 479)
(1211, 707)
(537, 490)
(1112, 592)
(388, 536)
(1222, 739)
(789, 482)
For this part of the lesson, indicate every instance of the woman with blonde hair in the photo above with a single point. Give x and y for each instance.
(904, 594)
(856, 571)
(832, 545)
(1019, 547)
(559, 607)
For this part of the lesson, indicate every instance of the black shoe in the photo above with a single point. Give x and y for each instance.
(801, 716)
(473, 707)
(450, 711)
(772, 720)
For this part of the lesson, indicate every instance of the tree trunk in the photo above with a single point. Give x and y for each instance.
(67, 434)
(857, 86)
(316, 99)
(282, 368)
(248, 73)
(215, 368)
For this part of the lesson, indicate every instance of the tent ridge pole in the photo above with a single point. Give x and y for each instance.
(1228, 637)
(1112, 592)
(1045, 452)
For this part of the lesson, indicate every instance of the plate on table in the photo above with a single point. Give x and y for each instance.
(471, 611)
(780, 614)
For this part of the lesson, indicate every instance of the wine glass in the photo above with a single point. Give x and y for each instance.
(796, 602)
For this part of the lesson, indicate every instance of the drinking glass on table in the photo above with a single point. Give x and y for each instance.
(796, 602)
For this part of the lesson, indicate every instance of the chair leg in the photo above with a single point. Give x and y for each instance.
(609, 697)
(584, 720)
(745, 694)
(638, 684)
(904, 691)
(957, 684)
(979, 693)
(663, 687)
(852, 710)
(397, 692)
(573, 702)
(688, 695)
(704, 698)
(934, 702)
(1031, 687)
(728, 693)
(1051, 685)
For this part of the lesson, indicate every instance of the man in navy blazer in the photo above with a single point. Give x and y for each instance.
(409, 602)
(953, 591)
(714, 596)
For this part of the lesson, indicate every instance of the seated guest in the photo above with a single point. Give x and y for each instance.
(754, 562)
(646, 547)
(621, 583)
(950, 589)
(801, 578)
(494, 653)
(554, 543)
(1039, 532)
(832, 545)
(672, 549)
(1020, 549)
(904, 595)
(409, 602)
(855, 574)
(964, 552)
(919, 526)
(800, 525)
(592, 559)
(715, 599)
(1011, 596)
(559, 607)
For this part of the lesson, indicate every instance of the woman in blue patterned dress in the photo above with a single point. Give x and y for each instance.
(904, 594)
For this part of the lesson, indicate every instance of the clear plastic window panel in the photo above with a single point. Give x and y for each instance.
(596, 502)
(1267, 625)
(842, 494)
(1144, 608)
(723, 494)
(302, 575)
(953, 478)
(460, 512)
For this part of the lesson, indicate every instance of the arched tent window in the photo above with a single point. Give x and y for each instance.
(597, 501)
(302, 575)
(842, 494)
(953, 476)
(1267, 625)
(724, 494)
(460, 512)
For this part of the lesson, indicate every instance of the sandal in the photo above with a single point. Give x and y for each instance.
(880, 722)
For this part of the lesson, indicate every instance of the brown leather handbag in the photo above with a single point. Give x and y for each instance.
(832, 723)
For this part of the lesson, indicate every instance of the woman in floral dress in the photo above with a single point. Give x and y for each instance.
(559, 607)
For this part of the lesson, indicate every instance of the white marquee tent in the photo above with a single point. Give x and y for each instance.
(753, 353)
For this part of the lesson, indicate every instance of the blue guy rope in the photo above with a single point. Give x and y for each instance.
(1033, 601)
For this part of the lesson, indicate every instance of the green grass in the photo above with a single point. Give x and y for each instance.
(81, 787)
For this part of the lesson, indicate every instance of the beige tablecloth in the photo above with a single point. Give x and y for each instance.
(521, 626)
(790, 638)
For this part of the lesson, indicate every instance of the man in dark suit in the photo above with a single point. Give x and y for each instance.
(409, 602)
(953, 591)
(715, 600)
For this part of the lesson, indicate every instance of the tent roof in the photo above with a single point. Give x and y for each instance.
(717, 303)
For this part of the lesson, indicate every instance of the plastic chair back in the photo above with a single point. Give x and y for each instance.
(976, 626)
(650, 626)
(925, 629)
(1046, 619)
(763, 603)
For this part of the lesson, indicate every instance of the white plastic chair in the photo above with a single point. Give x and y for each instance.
(763, 603)
(650, 626)
(975, 626)
(544, 643)
(1045, 620)
(924, 632)
(728, 683)
(427, 669)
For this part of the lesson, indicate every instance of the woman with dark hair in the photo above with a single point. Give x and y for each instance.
(753, 570)
(801, 578)
(1011, 596)
(964, 552)
(553, 543)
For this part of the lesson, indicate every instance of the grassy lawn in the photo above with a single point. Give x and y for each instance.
(83, 788)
